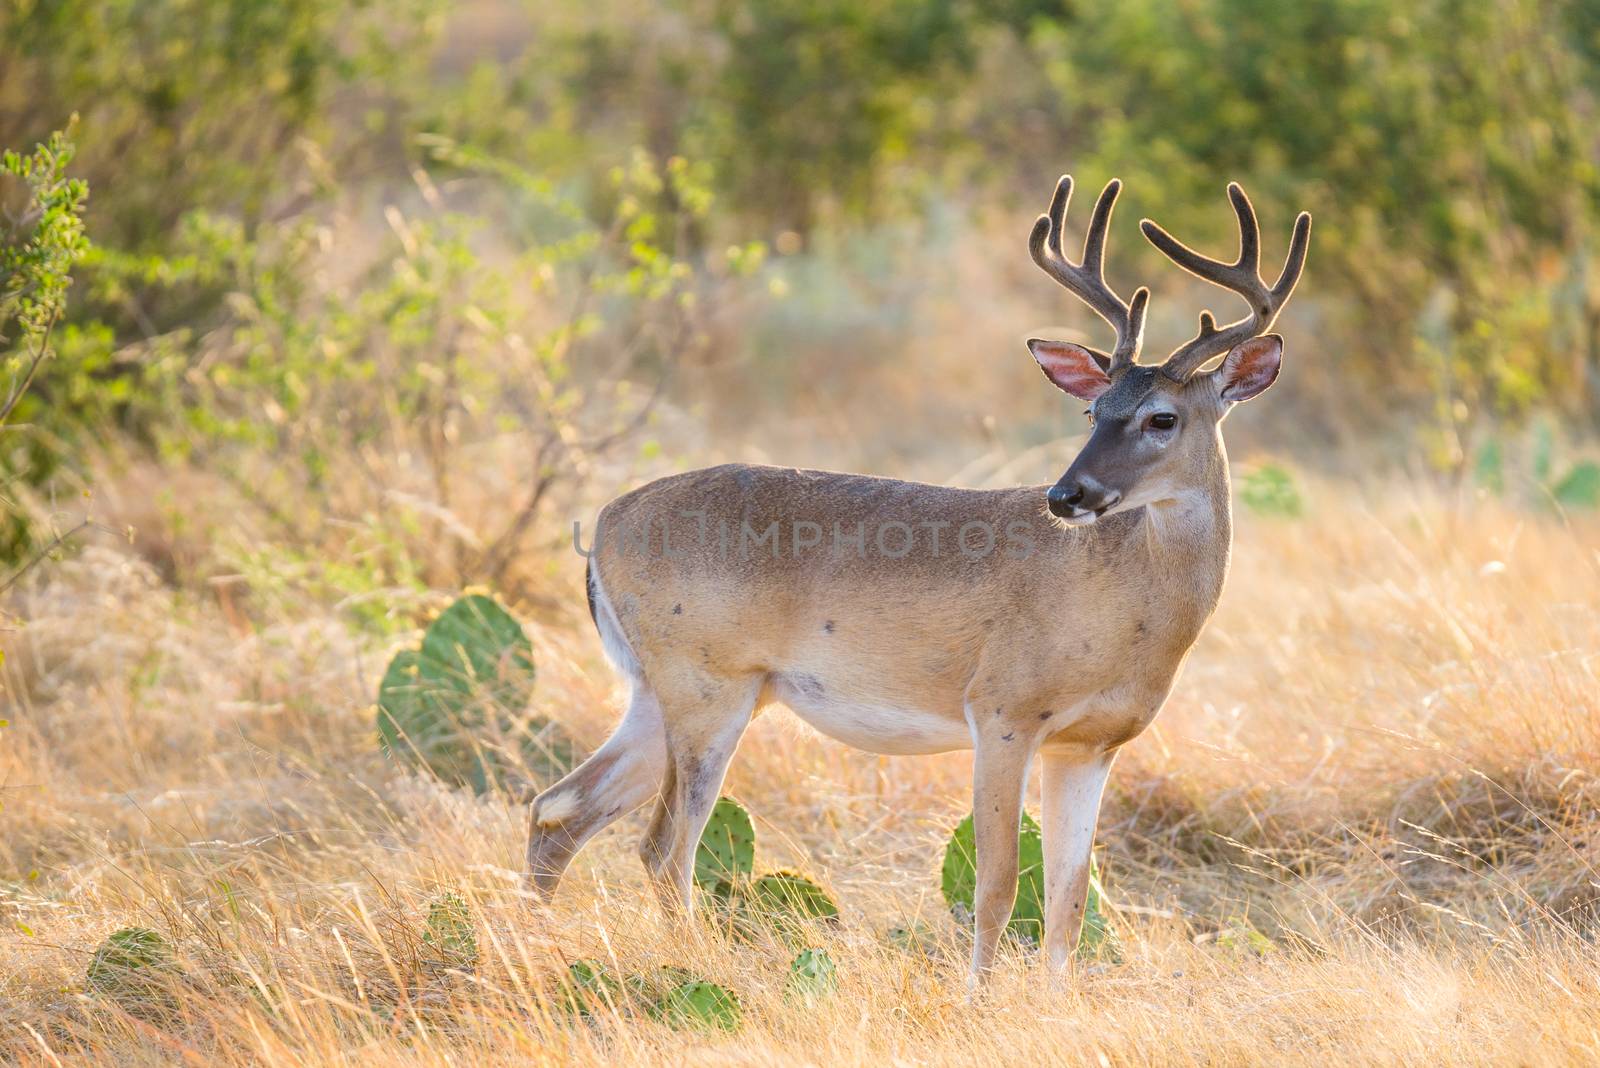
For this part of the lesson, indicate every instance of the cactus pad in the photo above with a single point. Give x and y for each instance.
(588, 988)
(792, 896)
(960, 880)
(960, 876)
(699, 1005)
(442, 706)
(727, 850)
(478, 647)
(132, 967)
(811, 975)
(449, 931)
(916, 938)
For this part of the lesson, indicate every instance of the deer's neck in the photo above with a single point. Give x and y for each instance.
(1172, 553)
(1190, 537)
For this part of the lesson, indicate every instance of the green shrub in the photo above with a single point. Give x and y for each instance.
(41, 241)
(1240, 938)
(202, 102)
(1271, 490)
(1489, 466)
(1579, 487)
(1534, 470)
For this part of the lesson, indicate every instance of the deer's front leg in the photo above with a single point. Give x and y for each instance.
(1073, 782)
(1000, 772)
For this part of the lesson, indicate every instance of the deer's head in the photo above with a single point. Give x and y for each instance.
(1156, 426)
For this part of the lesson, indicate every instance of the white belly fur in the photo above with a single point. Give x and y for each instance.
(873, 726)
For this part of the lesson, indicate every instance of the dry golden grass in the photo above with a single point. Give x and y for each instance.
(1363, 830)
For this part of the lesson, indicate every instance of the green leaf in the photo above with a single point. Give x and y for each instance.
(1579, 487)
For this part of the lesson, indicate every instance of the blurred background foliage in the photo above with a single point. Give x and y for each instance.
(400, 273)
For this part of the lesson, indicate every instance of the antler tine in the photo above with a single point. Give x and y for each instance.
(1249, 231)
(1086, 280)
(1094, 240)
(1243, 277)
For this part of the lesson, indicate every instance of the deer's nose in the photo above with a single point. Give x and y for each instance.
(1064, 499)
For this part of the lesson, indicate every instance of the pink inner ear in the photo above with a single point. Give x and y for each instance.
(1251, 367)
(1072, 368)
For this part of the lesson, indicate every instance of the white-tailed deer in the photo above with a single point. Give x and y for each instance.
(907, 618)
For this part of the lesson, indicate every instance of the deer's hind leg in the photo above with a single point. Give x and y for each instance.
(704, 717)
(658, 835)
(620, 776)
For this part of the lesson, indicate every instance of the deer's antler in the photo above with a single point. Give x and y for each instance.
(1243, 276)
(1086, 280)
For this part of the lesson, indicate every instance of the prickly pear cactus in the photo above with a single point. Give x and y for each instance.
(960, 876)
(785, 894)
(449, 932)
(479, 647)
(411, 719)
(588, 988)
(812, 975)
(727, 852)
(699, 1005)
(960, 879)
(133, 967)
(916, 937)
(452, 705)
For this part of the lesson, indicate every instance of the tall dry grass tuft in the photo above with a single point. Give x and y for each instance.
(1363, 829)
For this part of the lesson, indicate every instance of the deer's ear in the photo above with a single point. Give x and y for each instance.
(1073, 368)
(1250, 367)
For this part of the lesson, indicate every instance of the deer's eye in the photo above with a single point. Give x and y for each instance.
(1161, 421)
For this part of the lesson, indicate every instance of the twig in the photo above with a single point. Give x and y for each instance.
(55, 543)
(33, 369)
